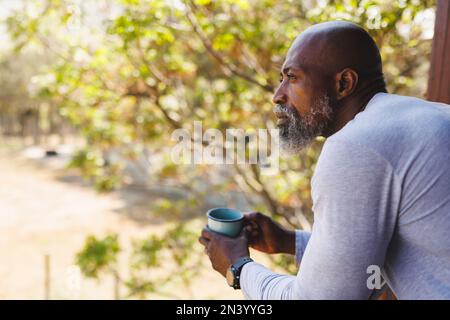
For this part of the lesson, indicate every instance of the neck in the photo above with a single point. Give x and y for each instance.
(351, 106)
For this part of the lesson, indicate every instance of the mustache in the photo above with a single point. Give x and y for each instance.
(283, 111)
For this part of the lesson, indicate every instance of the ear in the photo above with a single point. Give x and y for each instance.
(346, 81)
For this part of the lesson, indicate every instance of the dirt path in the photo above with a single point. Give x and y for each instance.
(41, 214)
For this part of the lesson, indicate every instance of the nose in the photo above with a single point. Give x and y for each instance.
(280, 96)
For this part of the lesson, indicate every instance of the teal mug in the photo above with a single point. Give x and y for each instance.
(228, 222)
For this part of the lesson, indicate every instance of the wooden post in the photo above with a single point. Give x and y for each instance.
(47, 276)
(116, 286)
(439, 79)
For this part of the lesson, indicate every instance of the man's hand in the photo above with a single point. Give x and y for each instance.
(267, 236)
(223, 251)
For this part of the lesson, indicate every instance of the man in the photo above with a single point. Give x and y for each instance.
(381, 188)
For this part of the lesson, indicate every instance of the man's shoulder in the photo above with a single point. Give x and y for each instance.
(392, 125)
(386, 114)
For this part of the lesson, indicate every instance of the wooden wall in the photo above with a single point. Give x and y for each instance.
(439, 79)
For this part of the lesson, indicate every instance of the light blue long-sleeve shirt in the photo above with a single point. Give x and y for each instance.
(381, 197)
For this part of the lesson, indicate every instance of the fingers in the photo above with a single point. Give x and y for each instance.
(207, 234)
(203, 241)
(253, 218)
(252, 235)
(243, 235)
(252, 231)
(251, 228)
(206, 238)
(251, 223)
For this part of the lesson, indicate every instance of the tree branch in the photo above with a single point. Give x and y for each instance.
(216, 55)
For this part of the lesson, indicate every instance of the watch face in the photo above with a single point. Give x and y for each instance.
(230, 277)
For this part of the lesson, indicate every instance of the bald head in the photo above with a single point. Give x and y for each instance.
(334, 46)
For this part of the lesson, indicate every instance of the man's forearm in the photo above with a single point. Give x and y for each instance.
(287, 242)
(259, 283)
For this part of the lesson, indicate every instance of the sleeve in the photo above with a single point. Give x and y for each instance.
(355, 202)
(301, 240)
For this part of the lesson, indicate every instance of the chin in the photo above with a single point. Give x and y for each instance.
(291, 148)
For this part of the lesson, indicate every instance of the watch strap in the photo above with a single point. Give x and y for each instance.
(236, 269)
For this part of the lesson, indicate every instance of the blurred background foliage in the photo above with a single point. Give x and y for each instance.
(124, 74)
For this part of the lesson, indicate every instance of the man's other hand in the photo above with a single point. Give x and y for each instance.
(267, 236)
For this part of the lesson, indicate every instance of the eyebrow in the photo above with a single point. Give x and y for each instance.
(296, 68)
(287, 69)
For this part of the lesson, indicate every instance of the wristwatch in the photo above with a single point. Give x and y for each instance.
(234, 272)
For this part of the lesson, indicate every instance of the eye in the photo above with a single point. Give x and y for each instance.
(290, 76)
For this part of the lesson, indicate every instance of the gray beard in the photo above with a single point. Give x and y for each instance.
(300, 132)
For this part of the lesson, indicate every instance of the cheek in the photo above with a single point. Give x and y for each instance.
(300, 97)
